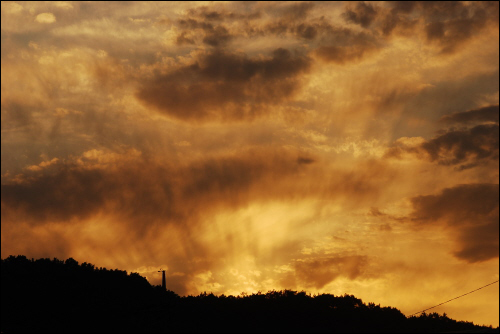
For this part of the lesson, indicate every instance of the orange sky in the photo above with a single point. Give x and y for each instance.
(328, 147)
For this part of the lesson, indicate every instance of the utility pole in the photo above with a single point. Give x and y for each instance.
(163, 284)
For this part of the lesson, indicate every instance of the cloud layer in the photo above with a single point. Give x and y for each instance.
(221, 86)
(245, 146)
(472, 211)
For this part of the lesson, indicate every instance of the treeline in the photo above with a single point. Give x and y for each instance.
(63, 296)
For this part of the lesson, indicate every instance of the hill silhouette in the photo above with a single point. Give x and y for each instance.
(64, 296)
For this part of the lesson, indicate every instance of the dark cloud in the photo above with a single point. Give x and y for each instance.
(70, 192)
(226, 86)
(485, 114)
(222, 14)
(363, 14)
(208, 13)
(480, 243)
(403, 6)
(182, 39)
(469, 146)
(142, 191)
(195, 24)
(471, 211)
(330, 42)
(449, 35)
(211, 25)
(307, 30)
(341, 55)
(303, 30)
(214, 35)
(217, 37)
(342, 45)
(304, 160)
(394, 22)
(144, 197)
(446, 24)
(447, 97)
(396, 19)
(375, 212)
(17, 114)
(288, 20)
(458, 146)
(317, 273)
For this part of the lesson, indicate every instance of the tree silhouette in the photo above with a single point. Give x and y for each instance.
(63, 296)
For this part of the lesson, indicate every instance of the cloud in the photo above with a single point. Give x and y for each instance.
(458, 146)
(101, 201)
(342, 45)
(45, 18)
(63, 5)
(318, 272)
(331, 42)
(215, 36)
(138, 189)
(296, 11)
(452, 23)
(233, 138)
(448, 25)
(485, 114)
(469, 146)
(17, 114)
(471, 211)
(214, 26)
(12, 7)
(363, 14)
(226, 86)
(141, 191)
(475, 141)
(307, 31)
(222, 14)
(304, 160)
(426, 105)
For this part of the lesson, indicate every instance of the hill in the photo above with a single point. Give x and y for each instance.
(64, 296)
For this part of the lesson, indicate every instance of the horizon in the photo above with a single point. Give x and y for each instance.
(245, 294)
(327, 147)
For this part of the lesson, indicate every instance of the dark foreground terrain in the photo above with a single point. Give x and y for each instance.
(63, 296)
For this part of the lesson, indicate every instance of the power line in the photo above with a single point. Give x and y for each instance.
(454, 298)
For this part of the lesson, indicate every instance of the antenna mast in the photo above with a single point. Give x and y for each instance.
(163, 284)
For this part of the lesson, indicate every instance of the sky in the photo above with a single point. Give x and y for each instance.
(330, 147)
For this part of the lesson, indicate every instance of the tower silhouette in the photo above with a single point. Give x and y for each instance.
(163, 284)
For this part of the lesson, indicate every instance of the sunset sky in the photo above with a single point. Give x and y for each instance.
(340, 147)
